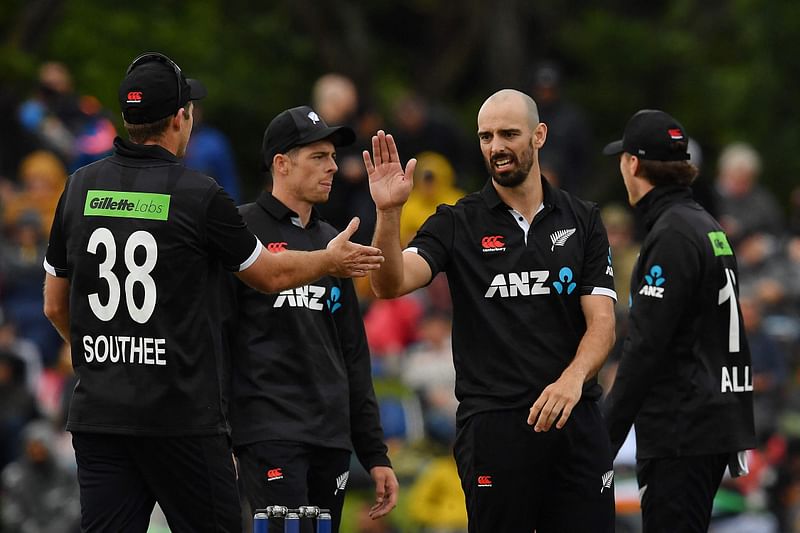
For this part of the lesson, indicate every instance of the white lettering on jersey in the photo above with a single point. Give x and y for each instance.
(519, 284)
(124, 349)
(308, 296)
(731, 381)
(649, 290)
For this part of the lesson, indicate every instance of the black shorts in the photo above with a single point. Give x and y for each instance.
(121, 478)
(294, 474)
(677, 492)
(516, 479)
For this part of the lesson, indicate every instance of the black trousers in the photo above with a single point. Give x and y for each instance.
(121, 478)
(677, 492)
(294, 474)
(516, 479)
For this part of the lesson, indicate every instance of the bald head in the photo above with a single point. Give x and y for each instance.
(513, 100)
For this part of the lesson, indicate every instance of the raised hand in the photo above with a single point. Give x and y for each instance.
(389, 183)
(349, 259)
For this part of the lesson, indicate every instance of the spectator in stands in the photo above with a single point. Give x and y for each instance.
(436, 502)
(209, 152)
(421, 126)
(434, 184)
(566, 156)
(40, 495)
(624, 252)
(72, 126)
(21, 259)
(391, 327)
(42, 177)
(770, 370)
(336, 99)
(53, 114)
(428, 370)
(744, 206)
(17, 406)
(22, 349)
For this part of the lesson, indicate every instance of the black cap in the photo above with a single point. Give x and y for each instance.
(154, 88)
(654, 135)
(299, 126)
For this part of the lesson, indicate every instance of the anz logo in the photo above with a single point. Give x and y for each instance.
(564, 283)
(655, 279)
(530, 283)
(333, 301)
(308, 296)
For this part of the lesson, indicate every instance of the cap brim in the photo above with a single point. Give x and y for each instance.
(613, 148)
(338, 135)
(197, 89)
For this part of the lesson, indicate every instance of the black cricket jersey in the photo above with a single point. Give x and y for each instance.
(301, 366)
(685, 375)
(517, 317)
(145, 243)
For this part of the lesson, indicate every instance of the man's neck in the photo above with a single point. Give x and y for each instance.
(301, 207)
(166, 142)
(526, 197)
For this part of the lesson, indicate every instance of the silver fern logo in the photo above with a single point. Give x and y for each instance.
(559, 238)
(608, 478)
(341, 482)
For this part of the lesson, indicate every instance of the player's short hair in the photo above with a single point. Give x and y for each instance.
(141, 133)
(667, 172)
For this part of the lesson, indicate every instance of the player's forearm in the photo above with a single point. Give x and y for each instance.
(60, 321)
(56, 304)
(286, 270)
(594, 347)
(387, 281)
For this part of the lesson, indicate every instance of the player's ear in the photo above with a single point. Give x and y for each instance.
(280, 163)
(539, 135)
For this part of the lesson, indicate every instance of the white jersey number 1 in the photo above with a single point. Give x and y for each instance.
(728, 293)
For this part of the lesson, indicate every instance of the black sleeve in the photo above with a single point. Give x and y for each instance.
(598, 276)
(365, 425)
(55, 261)
(434, 240)
(670, 268)
(228, 236)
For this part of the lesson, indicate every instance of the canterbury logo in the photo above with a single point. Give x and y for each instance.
(274, 473)
(559, 238)
(493, 243)
(341, 482)
(607, 479)
(484, 481)
(134, 97)
(276, 247)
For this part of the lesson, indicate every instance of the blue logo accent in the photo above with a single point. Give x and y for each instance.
(333, 301)
(565, 283)
(655, 276)
(609, 256)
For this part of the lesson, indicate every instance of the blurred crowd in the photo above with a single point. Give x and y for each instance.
(55, 130)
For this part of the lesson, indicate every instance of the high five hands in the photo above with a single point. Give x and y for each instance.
(389, 183)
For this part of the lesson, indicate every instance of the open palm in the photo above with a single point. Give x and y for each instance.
(389, 183)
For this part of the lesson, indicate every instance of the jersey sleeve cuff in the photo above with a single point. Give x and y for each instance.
(253, 256)
(54, 271)
(603, 291)
(423, 254)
